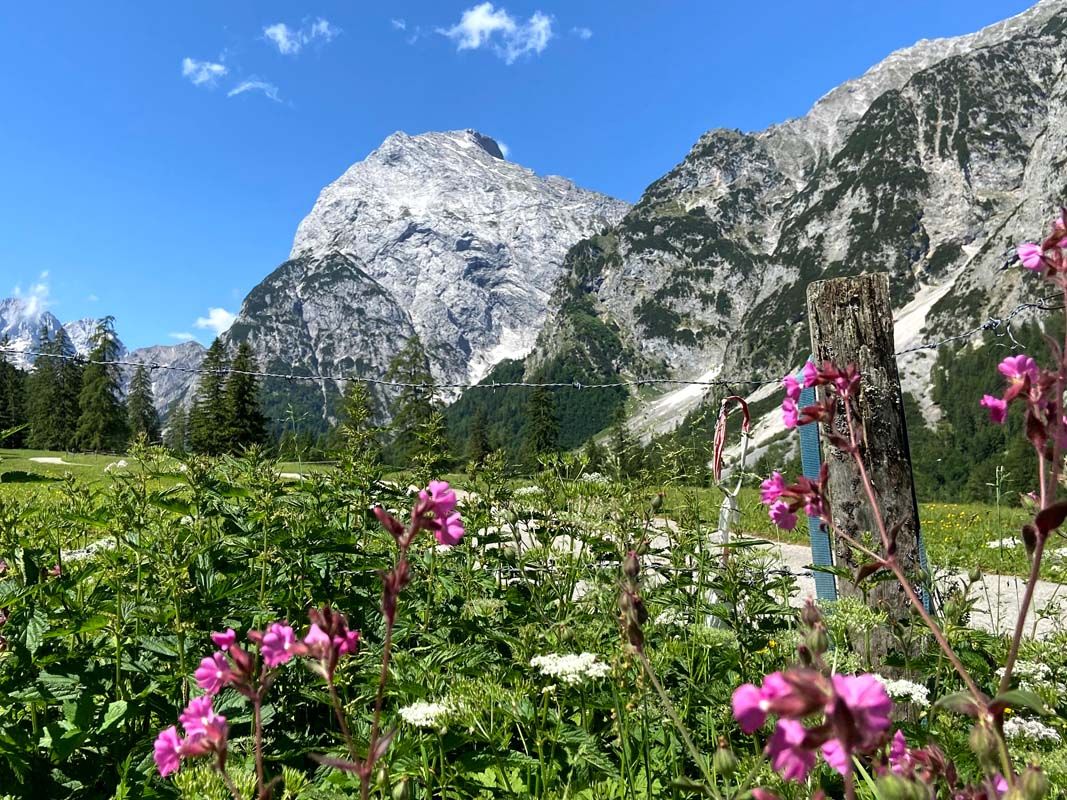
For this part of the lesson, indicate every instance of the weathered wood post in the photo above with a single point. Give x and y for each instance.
(851, 322)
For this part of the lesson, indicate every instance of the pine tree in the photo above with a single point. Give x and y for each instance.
(176, 437)
(13, 413)
(52, 391)
(102, 422)
(207, 416)
(412, 407)
(143, 417)
(70, 374)
(478, 438)
(245, 423)
(541, 434)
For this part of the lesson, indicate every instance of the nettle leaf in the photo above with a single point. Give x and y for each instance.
(1019, 698)
(960, 703)
(116, 711)
(36, 627)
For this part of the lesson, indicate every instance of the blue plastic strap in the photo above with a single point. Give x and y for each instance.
(811, 461)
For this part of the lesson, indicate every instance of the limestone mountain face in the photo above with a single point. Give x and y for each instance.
(22, 323)
(930, 167)
(435, 234)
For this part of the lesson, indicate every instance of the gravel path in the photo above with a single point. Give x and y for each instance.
(997, 596)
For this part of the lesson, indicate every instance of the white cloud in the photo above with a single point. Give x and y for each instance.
(202, 73)
(291, 41)
(218, 320)
(585, 34)
(182, 336)
(400, 24)
(255, 85)
(93, 298)
(503, 148)
(36, 298)
(484, 25)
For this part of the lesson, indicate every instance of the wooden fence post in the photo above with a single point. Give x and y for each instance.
(851, 322)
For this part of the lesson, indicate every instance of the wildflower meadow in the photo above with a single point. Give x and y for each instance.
(214, 627)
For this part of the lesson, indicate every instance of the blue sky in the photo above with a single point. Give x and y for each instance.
(155, 158)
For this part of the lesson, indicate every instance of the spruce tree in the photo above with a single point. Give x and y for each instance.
(70, 374)
(541, 434)
(102, 423)
(52, 391)
(245, 423)
(478, 438)
(208, 415)
(13, 414)
(411, 407)
(143, 417)
(176, 436)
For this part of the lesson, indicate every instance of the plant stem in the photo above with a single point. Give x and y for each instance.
(1020, 624)
(257, 716)
(339, 711)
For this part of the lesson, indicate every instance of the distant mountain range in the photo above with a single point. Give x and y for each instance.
(930, 167)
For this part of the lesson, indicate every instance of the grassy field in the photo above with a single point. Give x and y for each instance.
(959, 536)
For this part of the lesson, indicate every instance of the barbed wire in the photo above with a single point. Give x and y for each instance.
(992, 324)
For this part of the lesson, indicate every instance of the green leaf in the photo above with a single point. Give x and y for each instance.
(36, 627)
(1019, 698)
(115, 713)
(959, 702)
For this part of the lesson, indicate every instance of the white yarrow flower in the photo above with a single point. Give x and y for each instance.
(1032, 730)
(1029, 671)
(527, 491)
(905, 690)
(425, 715)
(572, 668)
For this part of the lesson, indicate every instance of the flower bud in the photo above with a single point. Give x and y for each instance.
(657, 501)
(630, 565)
(983, 742)
(895, 787)
(975, 575)
(403, 790)
(724, 762)
(817, 641)
(1034, 784)
(810, 614)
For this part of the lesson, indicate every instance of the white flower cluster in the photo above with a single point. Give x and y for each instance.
(906, 690)
(672, 617)
(595, 477)
(426, 715)
(1029, 671)
(528, 491)
(1003, 544)
(121, 464)
(572, 669)
(1031, 730)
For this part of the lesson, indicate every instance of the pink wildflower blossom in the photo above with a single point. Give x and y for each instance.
(1018, 368)
(867, 701)
(224, 641)
(789, 757)
(782, 516)
(810, 374)
(317, 640)
(441, 497)
(213, 673)
(998, 408)
(348, 644)
(772, 488)
(279, 644)
(450, 531)
(790, 414)
(1032, 257)
(166, 748)
(837, 756)
(199, 717)
(792, 388)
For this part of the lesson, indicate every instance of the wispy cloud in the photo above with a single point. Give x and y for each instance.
(400, 24)
(585, 34)
(202, 73)
(92, 298)
(255, 85)
(504, 148)
(291, 41)
(484, 25)
(218, 320)
(36, 298)
(182, 336)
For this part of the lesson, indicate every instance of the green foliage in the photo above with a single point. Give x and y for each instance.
(541, 432)
(102, 418)
(245, 424)
(411, 407)
(208, 413)
(53, 389)
(13, 414)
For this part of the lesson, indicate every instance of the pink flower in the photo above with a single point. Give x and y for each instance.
(789, 757)
(199, 717)
(1018, 368)
(440, 495)
(750, 708)
(782, 516)
(1031, 256)
(814, 507)
(317, 639)
(1000, 785)
(998, 409)
(166, 751)
(790, 414)
(792, 388)
(810, 374)
(450, 531)
(213, 673)
(224, 640)
(837, 756)
(772, 488)
(867, 701)
(278, 645)
(898, 753)
(348, 644)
